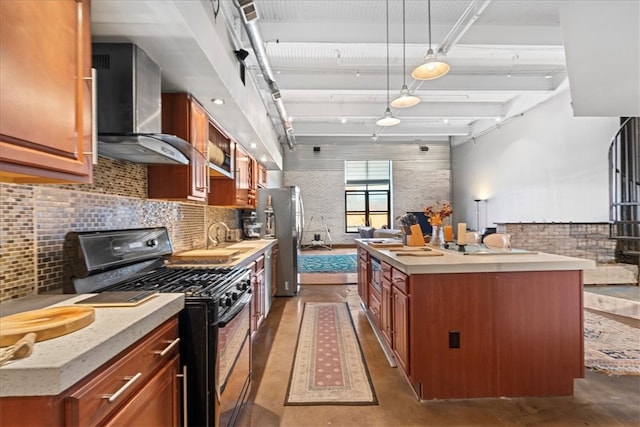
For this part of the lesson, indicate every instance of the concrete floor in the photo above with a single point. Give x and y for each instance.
(599, 400)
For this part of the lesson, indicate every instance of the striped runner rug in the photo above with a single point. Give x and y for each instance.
(329, 367)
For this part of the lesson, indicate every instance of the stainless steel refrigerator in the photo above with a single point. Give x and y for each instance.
(288, 213)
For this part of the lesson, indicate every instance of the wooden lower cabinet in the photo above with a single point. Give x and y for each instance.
(400, 328)
(375, 308)
(363, 275)
(156, 404)
(495, 334)
(394, 317)
(137, 387)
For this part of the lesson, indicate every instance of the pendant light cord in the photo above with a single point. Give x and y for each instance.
(429, 17)
(404, 49)
(388, 100)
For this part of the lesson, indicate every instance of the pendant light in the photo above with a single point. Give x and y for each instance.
(405, 99)
(433, 66)
(388, 119)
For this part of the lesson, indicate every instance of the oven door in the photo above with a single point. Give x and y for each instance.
(233, 364)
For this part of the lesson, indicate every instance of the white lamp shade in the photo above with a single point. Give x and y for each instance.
(432, 68)
(388, 119)
(405, 99)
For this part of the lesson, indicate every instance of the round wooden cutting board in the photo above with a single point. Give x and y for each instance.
(46, 323)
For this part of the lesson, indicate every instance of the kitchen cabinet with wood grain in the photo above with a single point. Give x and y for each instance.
(239, 191)
(46, 101)
(140, 386)
(184, 117)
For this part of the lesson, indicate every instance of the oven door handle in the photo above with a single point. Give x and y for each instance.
(235, 310)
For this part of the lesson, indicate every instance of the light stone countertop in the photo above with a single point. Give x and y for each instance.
(457, 262)
(58, 363)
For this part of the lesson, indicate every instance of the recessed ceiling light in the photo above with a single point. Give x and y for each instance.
(263, 158)
(218, 101)
(344, 120)
(548, 76)
(253, 145)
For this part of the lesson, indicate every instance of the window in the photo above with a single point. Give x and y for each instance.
(367, 194)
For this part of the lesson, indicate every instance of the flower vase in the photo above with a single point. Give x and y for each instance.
(437, 236)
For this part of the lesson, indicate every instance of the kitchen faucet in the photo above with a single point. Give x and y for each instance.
(213, 240)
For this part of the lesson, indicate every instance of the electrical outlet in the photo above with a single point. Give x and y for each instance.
(454, 339)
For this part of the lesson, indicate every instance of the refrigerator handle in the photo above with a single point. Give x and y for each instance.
(301, 233)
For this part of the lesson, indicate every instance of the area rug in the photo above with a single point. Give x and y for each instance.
(329, 367)
(611, 347)
(327, 263)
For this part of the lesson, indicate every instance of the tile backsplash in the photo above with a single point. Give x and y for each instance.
(35, 219)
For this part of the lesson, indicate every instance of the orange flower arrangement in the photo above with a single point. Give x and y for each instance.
(438, 213)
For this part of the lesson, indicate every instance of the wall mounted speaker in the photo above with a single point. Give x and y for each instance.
(424, 148)
(316, 149)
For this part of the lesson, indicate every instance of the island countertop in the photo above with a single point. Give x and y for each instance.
(457, 262)
(56, 364)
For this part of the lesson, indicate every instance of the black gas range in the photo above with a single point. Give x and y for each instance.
(215, 344)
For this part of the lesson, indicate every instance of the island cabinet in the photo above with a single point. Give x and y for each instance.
(495, 334)
(46, 101)
(394, 318)
(363, 275)
(140, 386)
(399, 316)
(240, 190)
(184, 117)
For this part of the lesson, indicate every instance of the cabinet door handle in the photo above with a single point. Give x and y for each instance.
(183, 375)
(94, 116)
(129, 383)
(167, 348)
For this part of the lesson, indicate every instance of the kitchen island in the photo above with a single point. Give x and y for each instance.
(488, 325)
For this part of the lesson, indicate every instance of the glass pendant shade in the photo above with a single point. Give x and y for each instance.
(405, 99)
(432, 68)
(388, 119)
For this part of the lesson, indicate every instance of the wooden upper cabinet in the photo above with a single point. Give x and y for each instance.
(184, 117)
(46, 100)
(239, 191)
(262, 175)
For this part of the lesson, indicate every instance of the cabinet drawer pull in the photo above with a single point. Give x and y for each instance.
(168, 348)
(129, 383)
(185, 400)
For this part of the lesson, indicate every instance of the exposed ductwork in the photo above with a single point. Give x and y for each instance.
(249, 16)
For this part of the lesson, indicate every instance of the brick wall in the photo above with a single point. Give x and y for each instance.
(586, 240)
(414, 187)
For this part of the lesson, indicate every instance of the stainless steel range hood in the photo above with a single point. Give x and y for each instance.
(130, 108)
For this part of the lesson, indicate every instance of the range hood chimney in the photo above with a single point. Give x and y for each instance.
(130, 108)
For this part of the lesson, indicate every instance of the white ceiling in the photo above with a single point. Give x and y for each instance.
(329, 59)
